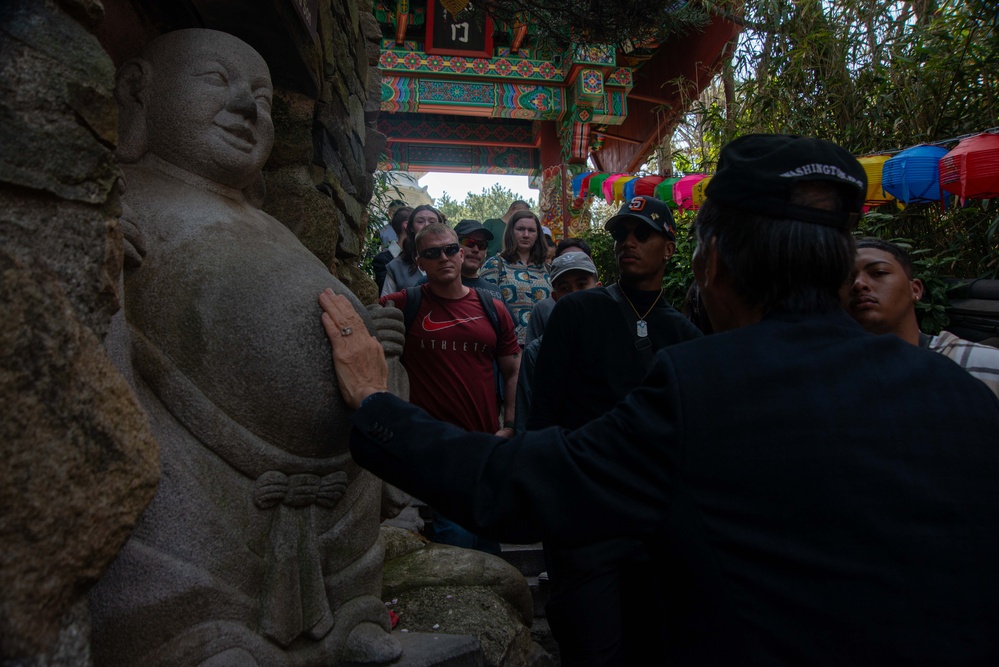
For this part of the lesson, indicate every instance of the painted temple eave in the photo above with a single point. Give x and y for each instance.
(584, 91)
(656, 103)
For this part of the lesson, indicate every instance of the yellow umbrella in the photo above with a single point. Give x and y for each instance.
(697, 195)
(873, 165)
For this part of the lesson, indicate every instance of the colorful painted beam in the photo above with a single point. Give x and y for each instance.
(447, 129)
(466, 159)
(476, 98)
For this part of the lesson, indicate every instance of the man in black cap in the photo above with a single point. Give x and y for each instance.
(813, 494)
(598, 345)
(474, 239)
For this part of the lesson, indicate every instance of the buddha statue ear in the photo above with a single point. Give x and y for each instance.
(132, 93)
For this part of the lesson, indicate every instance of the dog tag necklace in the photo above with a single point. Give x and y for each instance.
(642, 327)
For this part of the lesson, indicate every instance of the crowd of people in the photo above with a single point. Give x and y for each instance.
(776, 475)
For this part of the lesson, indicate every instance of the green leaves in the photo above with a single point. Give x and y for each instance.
(492, 202)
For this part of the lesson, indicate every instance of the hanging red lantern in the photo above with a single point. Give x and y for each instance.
(647, 186)
(971, 170)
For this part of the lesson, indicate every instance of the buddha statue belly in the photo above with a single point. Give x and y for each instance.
(226, 293)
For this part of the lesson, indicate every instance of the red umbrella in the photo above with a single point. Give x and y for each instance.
(647, 186)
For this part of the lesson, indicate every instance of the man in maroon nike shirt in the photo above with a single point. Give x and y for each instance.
(451, 344)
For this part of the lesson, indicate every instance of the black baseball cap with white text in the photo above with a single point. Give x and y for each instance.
(758, 172)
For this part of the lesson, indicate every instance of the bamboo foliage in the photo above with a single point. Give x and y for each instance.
(870, 74)
(623, 23)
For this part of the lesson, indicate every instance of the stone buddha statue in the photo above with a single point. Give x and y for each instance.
(262, 543)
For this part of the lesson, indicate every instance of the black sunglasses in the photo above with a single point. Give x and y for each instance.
(641, 232)
(472, 243)
(449, 250)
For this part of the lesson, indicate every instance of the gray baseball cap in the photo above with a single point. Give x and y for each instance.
(572, 261)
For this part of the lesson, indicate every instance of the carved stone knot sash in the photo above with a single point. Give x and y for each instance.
(273, 488)
(290, 490)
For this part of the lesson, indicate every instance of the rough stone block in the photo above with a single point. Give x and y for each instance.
(437, 588)
(374, 146)
(80, 463)
(357, 281)
(373, 102)
(56, 90)
(307, 212)
(293, 117)
(80, 243)
(420, 649)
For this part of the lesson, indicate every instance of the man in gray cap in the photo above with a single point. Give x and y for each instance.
(571, 272)
(811, 494)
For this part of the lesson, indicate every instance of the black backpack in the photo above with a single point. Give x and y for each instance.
(414, 297)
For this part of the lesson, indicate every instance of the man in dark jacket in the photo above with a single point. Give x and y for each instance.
(598, 345)
(813, 494)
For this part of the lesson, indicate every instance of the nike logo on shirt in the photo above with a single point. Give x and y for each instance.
(430, 325)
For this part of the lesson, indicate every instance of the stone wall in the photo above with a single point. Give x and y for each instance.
(330, 145)
(80, 463)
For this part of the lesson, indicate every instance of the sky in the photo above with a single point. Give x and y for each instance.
(457, 186)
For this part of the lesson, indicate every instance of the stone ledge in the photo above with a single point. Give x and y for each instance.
(422, 649)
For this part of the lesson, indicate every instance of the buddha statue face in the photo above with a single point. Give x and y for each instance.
(206, 100)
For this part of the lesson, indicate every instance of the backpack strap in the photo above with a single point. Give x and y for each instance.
(643, 345)
(414, 296)
(488, 305)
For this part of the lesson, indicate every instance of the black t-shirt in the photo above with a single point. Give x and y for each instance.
(588, 360)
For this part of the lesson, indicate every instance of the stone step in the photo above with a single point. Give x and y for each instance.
(541, 634)
(423, 649)
(540, 591)
(529, 559)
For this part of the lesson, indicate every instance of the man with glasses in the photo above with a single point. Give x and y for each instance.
(451, 346)
(598, 345)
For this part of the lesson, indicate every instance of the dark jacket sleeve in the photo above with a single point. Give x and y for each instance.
(378, 266)
(554, 366)
(525, 384)
(610, 478)
(539, 318)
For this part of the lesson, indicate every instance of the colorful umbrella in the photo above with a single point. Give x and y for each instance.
(874, 165)
(683, 190)
(596, 184)
(647, 186)
(697, 194)
(618, 188)
(913, 175)
(577, 183)
(608, 187)
(971, 170)
(664, 191)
